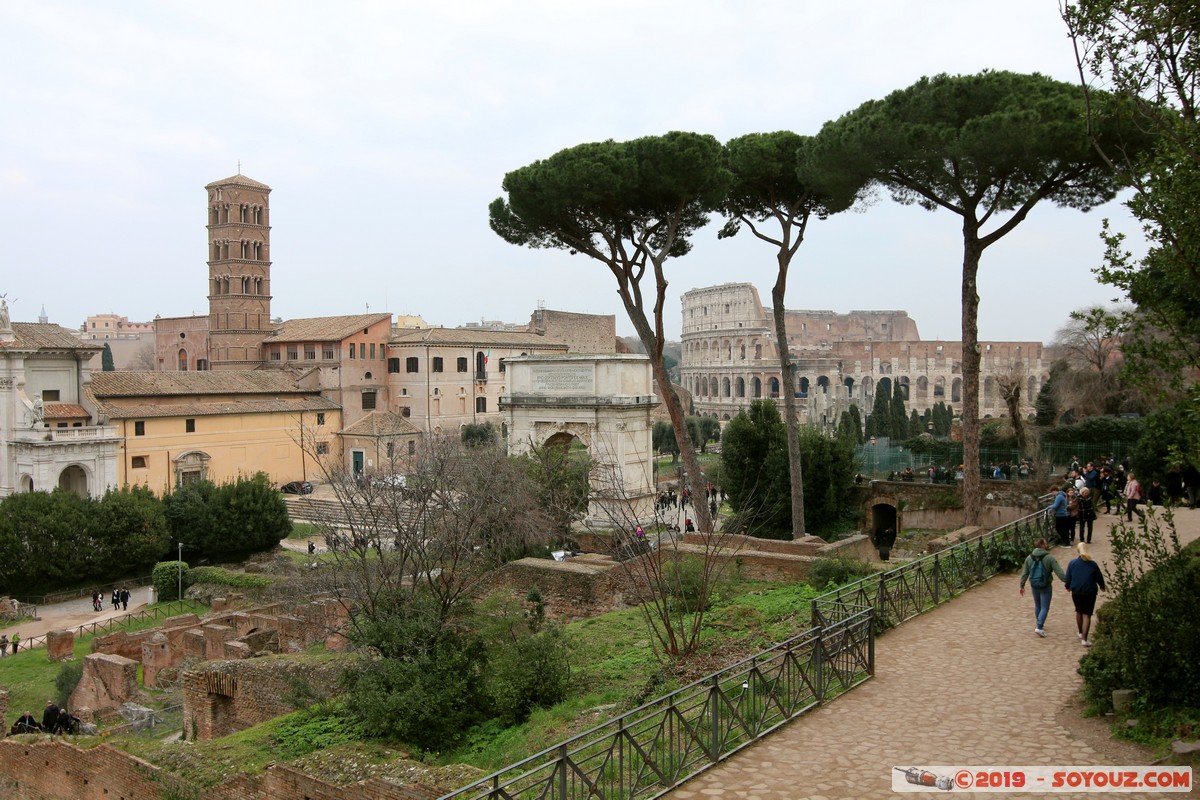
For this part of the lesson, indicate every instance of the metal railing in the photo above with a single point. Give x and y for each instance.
(156, 724)
(650, 750)
(174, 608)
(903, 593)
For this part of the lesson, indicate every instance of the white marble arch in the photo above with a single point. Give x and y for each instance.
(607, 402)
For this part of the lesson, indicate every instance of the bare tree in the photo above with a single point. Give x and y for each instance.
(423, 544)
(1009, 382)
(144, 358)
(672, 574)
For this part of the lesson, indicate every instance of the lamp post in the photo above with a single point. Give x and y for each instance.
(180, 564)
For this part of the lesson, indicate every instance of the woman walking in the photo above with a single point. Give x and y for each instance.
(1084, 580)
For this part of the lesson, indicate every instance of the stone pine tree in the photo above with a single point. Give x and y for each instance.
(770, 199)
(106, 359)
(899, 413)
(987, 148)
(630, 206)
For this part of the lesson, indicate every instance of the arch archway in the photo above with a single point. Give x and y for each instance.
(756, 385)
(956, 391)
(73, 479)
(25, 484)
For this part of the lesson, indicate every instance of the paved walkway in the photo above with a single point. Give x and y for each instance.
(965, 684)
(73, 613)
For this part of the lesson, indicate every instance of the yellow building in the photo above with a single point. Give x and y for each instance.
(179, 427)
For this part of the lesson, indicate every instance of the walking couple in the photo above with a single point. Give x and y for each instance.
(1083, 579)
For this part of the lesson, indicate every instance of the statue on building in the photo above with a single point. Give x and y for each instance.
(5, 322)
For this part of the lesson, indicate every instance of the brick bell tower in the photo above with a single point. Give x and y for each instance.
(239, 272)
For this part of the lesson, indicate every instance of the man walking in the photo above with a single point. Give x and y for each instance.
(1039, 570)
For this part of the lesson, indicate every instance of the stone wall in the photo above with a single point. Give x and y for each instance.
(52, 769)
(220, 698)
(582, 333)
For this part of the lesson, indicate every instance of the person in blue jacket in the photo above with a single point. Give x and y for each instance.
(1084, 580)
(1063, 523)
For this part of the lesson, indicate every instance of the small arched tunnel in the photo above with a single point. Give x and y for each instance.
(885, 522)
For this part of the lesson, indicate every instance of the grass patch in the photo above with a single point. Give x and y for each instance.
(1157, 728)
(29, 676)
(303, 530)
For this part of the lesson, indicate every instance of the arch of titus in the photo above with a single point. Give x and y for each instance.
(607, 402)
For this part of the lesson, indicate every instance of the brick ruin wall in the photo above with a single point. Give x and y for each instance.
(582, 333)
(50, 769)
(225, 697)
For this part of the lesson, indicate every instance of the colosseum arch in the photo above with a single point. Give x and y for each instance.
(740, 387)
(884, 386)
(939, 388)
(725, 387)
(774, 385)
(823, 384)
(989, 392)
(756, 386)
(803, 386)
(904, 390)
(922, 388)
(956, 391)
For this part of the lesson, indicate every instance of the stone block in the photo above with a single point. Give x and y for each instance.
(1122, 700)
(60, 645)
(107, 682)
(215, 637)
(236, 650)
(182, 621)
(156, 656)
(193, 644)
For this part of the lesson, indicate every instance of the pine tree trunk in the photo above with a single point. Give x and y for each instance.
(788, 387)
(972, 484)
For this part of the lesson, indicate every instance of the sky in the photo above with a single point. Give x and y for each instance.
(386, 128)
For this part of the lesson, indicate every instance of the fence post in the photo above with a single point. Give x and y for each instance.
(562, 772)
(714, 692)
(871, 642)
(937, 579)
(818, 659)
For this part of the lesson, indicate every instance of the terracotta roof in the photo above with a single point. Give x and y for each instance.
(238, 180)
(128, 410)
(47, 336)
(474, 337)
(152, 384)
(324, 329)
(64, 411)
(381, 423)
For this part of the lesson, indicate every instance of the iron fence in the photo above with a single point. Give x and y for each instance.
(109, 625)
(650, 750)
(903, 593)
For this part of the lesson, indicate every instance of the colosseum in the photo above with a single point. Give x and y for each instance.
(730, 358)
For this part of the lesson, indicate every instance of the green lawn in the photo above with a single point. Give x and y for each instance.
(614, 669)
(29, 675)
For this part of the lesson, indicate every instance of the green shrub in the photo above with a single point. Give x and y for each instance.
(428, 699)
(316, 729)
(531, 672)
(1146, 637)
(165, 578)
(66, 680)
(692, 588)
(837, 571)
(219, 576)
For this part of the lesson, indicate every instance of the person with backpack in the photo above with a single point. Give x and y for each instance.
(1084, 580)
(1039, 570)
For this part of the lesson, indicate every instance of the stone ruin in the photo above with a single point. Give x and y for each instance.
(109, 678)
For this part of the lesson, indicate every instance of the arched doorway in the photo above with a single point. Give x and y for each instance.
(73, 479)
(26, 484)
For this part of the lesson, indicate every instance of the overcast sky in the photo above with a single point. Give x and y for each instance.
(385, 129)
